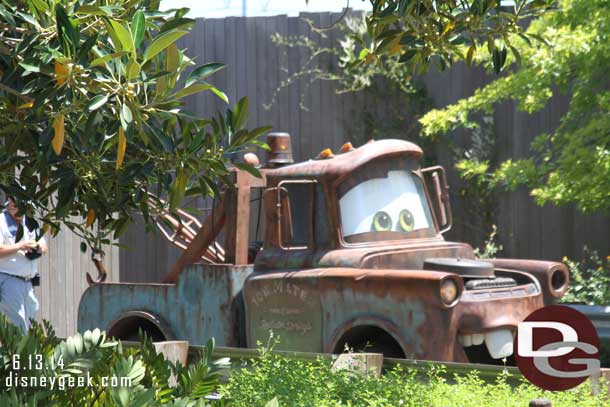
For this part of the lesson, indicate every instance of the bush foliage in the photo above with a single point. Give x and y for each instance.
(570, 165)
(589, 279)
(298, 383)
(40, 354)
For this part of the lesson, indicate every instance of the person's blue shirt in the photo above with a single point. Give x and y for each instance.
(12, 225)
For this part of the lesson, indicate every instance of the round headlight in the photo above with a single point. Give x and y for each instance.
(559, 279)
(449, 291)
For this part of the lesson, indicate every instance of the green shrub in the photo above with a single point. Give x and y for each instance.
(491, 247)
(40, 354)
(298, 383)
(589, 279)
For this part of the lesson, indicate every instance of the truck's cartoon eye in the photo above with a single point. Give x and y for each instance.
(382, 222)
(406, 222)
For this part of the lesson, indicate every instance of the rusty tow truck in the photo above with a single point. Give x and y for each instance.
(353, 256)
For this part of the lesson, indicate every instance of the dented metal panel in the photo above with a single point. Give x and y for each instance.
(205, 302)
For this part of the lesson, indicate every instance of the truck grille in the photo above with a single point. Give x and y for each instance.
(484, 284)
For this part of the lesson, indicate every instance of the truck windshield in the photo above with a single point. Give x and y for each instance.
(386, 206)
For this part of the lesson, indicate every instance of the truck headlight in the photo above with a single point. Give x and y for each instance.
(559, 280)
(449, 292)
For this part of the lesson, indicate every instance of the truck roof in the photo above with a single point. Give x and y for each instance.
(347, 162)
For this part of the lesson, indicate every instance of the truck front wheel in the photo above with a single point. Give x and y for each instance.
(369, 339)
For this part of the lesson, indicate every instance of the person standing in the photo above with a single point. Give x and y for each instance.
(18, 266)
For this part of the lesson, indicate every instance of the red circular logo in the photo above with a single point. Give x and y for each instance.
(557, 348)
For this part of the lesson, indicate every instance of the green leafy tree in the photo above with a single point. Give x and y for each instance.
(572, 164)
(92, 114)
(440, 32)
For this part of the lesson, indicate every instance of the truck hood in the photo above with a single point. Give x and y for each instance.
(409, 256)
(399, 255)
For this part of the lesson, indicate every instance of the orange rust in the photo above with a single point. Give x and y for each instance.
(326, 153)
(347, 147)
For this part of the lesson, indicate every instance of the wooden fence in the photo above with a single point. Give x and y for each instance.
(63, 280)
(256, 67)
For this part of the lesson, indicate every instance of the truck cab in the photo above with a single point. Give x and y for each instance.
(353, 257)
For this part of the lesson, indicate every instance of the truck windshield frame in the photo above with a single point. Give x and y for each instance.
(385, 200)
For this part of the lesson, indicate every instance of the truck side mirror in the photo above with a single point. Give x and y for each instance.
(441, 205)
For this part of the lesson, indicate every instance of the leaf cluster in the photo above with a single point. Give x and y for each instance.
(141, 374)
(589, 279)
(435, 32)
(571, 164)
(92, 114)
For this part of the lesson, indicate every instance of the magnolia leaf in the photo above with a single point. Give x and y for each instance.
(90, 217)
(137, 28)
(191, 90)
(116, 41)
(40, 5)
(223, 96)
(470, 54)
(407, 56)
(249, 168)
(19, 234)
(203, 72)
(26, 105)
(92, 10)
(161, 42)
(172, 58)
(96, 102)
(178, 188)
(132, 70)
(516, 54)
(58, 139)
(30, 67)
(183, 23)
(123, 35)
(121, 147)
(106, 58)
(67, 31)
(126, 116)
(240, 114)
(61, 72)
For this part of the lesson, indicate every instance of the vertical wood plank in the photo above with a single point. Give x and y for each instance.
(241, 62)
(337, 135)
(230, 59)
(272, 108)
(251, 68)
(305, 112)
(282, 103)
(294, 93)
(262, 82)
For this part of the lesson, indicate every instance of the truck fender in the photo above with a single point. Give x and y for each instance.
(386, 326)
(128, 324)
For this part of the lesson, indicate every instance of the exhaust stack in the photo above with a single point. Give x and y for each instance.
(281, 150)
